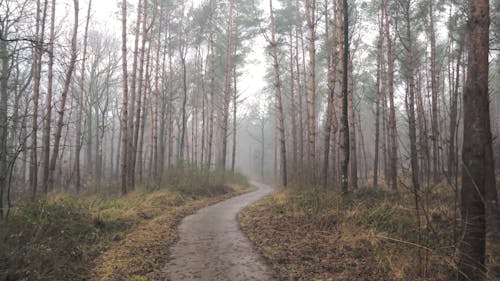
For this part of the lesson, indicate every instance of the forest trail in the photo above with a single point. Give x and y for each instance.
(212, 246)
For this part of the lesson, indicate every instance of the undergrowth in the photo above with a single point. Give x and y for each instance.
(59, 237)
(317, 234)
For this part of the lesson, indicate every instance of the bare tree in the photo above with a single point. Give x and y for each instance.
(64, 94)
(79, 124)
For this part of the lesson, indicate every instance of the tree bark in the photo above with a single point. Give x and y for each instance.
(124, 125)
(64, 94)
(48, 103)
(79, 124)
(134, 127)
(434, 89)
(235, 106)
(221, 166)
(393, 155)
(377, 104)
(478, 178)
(330, 58)
(352, 128)
(452, 149)
(37, 69)
(134, 89)
(279, 106)
(345, 96)
(212, 90)
(311, 96)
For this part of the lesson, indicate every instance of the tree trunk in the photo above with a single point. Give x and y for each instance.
(345, 96)
(182, 53)
(142, 121)
(452, 150)
(410, 104)
(478, 178)
(300, 93)
(352, 136)
(4, 96)
(377, 103)
(212, 90)
(134, 127)
(64, 94)
(134, 90)
(48, 103)
(293, 105)
(235, 106)
(37, 69)
(393, 155)
(124, 125)
(330, 54)
(157, 100)
(311, 96)
(279, 106)
(434, 89)
(79, 124)
(227, 91)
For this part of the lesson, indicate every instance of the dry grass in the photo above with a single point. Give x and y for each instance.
(141, 253)
(313, 234)
(103, 236)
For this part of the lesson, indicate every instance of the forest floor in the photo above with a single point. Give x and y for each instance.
(102, 237)
(213, 248)
(316, 234)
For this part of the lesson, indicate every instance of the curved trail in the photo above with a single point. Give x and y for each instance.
(212, 246)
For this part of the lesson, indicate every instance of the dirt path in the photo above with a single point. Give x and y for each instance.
(212, 247)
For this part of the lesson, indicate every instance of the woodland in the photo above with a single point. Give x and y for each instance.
(375, 121)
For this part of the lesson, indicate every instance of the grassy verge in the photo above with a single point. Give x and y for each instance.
(103, 237)
(315, 234)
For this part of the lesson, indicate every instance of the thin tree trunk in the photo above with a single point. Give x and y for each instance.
(134, 89)
(48, 103)
(345, 96)
(300, 94)
(410, 104)
(156, 99)
(452, 156)
(434, 88)
(227, 91)
(212, 90)
(331, 93)
(124, 125)
(293, 105)
(79, 124)
(279, 106)
(393, 155)
(311, 96)
(352, 125)
(142, 121)
(37, 69)
(4, 96)
(134, 128)
(64, 94)
(235, 106)
(377, 103)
